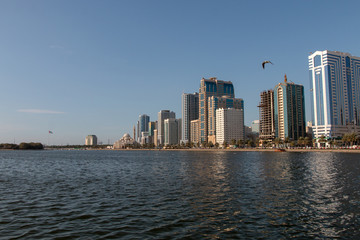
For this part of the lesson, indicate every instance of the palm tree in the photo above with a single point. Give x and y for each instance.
(277, 141)
(352, 138)
(301, 141)
(287, 141)
(240, 143)
(349, 138)
(250, 143)
(257, 142)
(308, 141)
(322, 139)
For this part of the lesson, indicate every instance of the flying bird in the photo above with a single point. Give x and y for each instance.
(265, 62)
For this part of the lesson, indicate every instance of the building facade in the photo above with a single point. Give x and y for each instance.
(335, 93)
(208, 88)
(255, 126)
(162, 115)
(152, 127)
(172, 131)
(229, 125)
(190, 111)
(91, 140)
(266, 115)
(215, 103)
(195, 131)
(289, 111)
(155, 138)
(143, 125)
(125, 142)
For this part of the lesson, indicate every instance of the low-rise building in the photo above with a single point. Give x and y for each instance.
(125, 142)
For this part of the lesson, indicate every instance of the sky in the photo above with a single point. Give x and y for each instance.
(80, 67)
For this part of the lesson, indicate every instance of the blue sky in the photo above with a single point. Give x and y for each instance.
(92, 67)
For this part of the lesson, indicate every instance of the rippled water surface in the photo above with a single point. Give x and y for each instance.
(178, 195)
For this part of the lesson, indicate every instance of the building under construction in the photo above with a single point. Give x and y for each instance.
(266, 112)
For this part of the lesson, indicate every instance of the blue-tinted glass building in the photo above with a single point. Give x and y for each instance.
(143, 125)
(208, 88)
(335, 93)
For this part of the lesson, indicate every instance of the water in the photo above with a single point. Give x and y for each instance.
(178, 195)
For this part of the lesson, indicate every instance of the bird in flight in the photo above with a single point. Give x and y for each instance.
(265, 62)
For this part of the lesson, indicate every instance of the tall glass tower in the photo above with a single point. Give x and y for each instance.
(335, 93)
(208, 88)
(143, 125)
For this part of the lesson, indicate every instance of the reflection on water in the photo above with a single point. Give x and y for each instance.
(164, 194)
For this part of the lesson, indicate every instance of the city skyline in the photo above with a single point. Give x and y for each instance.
(91, 67)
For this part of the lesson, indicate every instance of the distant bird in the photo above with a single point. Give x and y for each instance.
(265, 62)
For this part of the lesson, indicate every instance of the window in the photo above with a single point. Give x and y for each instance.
(317, 60)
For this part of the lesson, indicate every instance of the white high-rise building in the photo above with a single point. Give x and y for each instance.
(335, 93)
(229, 125)
(172, 131)
(162, 115)
(91, 140)
(255, 126)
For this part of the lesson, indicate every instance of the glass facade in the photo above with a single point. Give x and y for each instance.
(289, 111)
(335, 92)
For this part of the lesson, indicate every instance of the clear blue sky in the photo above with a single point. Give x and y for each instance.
(84, 67)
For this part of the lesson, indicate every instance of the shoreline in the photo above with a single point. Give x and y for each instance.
(223, 150)
(248, 150)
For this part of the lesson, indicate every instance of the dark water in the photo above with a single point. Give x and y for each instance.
(178, 195)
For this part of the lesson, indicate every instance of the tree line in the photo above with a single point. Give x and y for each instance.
(348, 140)
(22, 146)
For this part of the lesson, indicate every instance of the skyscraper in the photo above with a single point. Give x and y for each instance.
(266, 114)
(162, 115)
(208, 88)
(229, 125)
(335, 93)
(215, 103)
(195, 131)
(155, 138)
(190, 111)
(143, 125)
(171, 131)
(152, 127)
(289, 110)
(255, 126)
